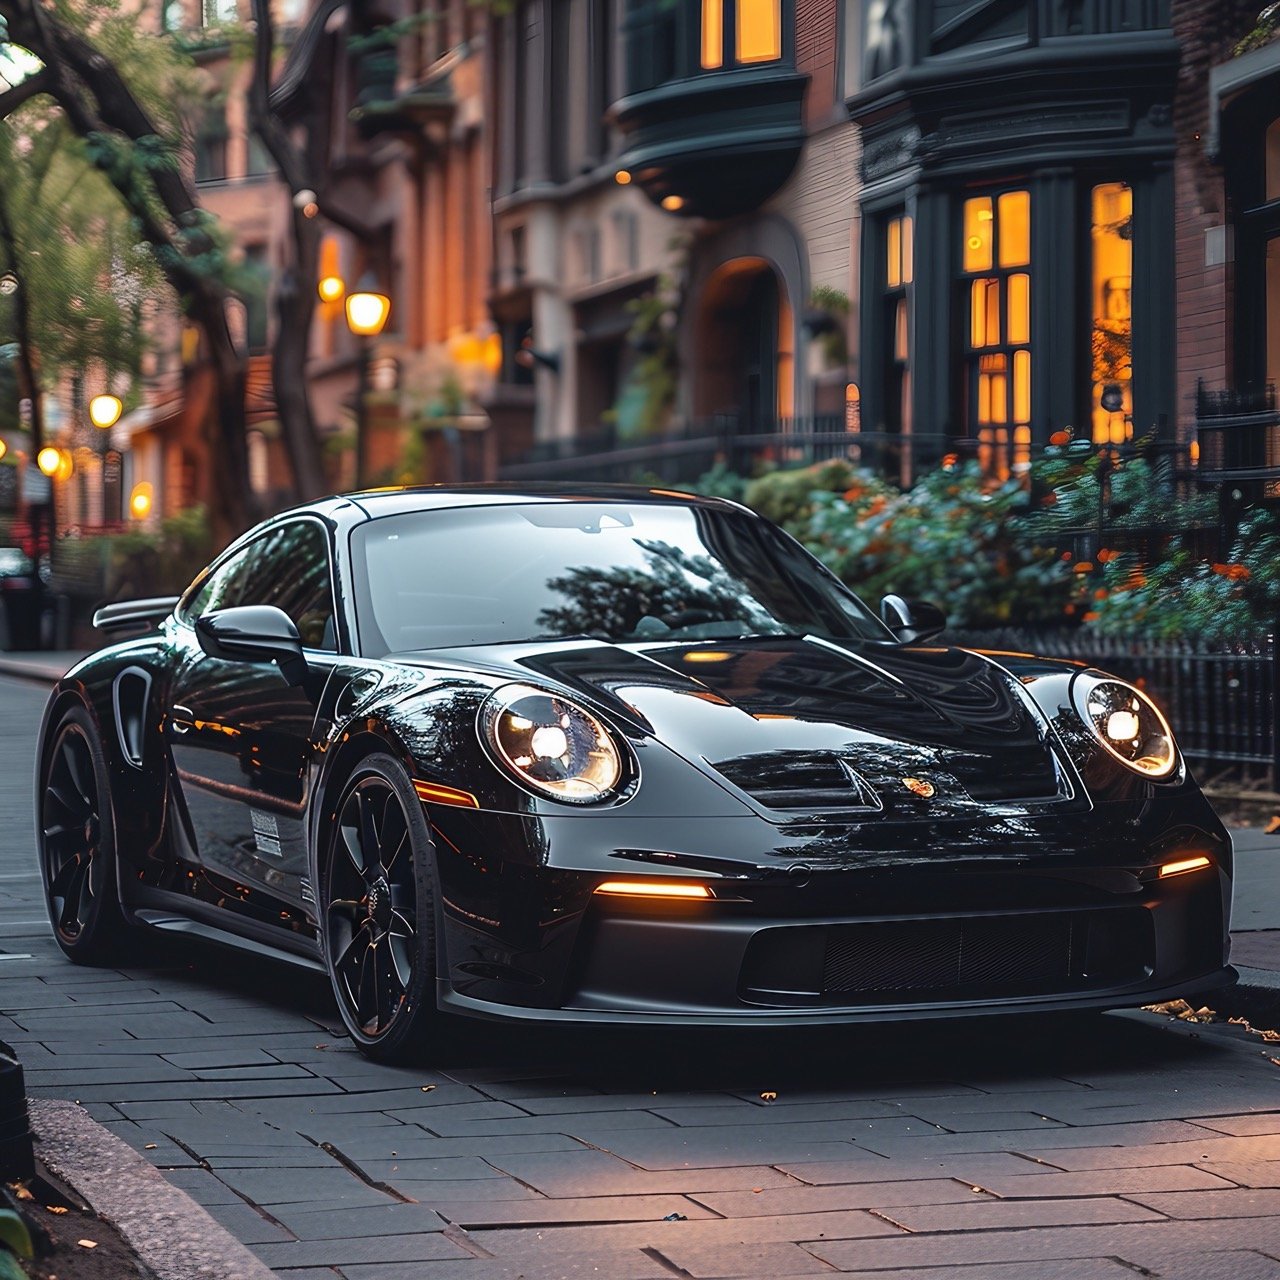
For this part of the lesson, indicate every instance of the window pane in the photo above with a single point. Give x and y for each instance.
(759, 36)
(712, 34)
(977, 234)
(1273, 161)
(908, 251)
(1111, 339)
(900, 337)
(1019, 321)
(895, 252)
(1022, 386)
(984, 305)
(1015, 228)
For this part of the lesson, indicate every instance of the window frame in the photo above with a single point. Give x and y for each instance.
(184, 610)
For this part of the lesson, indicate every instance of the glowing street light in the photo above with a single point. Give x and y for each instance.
(49, 460)
(367, 312)
(331, 288)
(140, 501)
(105, 411)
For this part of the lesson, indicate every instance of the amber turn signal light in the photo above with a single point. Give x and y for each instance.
(1183, 865)
(434, 792)
(654, 889)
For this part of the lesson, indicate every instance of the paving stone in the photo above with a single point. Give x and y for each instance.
(966, 1168)
(1059, 1269)
(246, 1224)
(419, 1247)
(631, 1264)
(757, 1114)
(1246, 1173)
(866, 1195)
(442, 1193)
(1235, 1202)
(983, 1214)
(412, 1141)
(1262, 1147)
(478, 1215)
(777, 1258)
(579, 1173)
(1243, 1126)
(1103, 1182)
(731, 1144)
(979, 1121)
(346, 1224)
(266, 1187)
(450, 1169)
(587, 1127)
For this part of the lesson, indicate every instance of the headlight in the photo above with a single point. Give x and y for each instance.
(1127, 723)
(551, 744)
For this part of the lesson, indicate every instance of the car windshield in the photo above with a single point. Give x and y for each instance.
(621, 572)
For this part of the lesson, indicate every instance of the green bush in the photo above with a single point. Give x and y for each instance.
(788, 497)
(952, 539)
(161, 562)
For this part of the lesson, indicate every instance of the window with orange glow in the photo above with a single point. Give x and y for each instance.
(712, 34)
(996, 257)
(755, 34)
(1111, 337)
(758, 34)
(899, 263)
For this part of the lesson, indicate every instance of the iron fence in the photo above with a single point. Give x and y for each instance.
(1219, 699)
(682, 455)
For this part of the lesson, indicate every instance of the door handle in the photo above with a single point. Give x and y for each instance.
(181, 719)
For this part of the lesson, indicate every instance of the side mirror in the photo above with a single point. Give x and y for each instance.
(254, 633)
(912, 620)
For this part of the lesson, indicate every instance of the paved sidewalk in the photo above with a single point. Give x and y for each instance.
(1055, 1149)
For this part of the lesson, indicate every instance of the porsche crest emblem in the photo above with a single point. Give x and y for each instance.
(918, 787)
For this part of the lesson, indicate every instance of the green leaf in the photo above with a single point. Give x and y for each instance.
(14, 1234)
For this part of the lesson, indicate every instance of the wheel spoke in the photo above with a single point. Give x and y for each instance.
(62, 792)
(77, 771)
(394, 833)
(368, 834)
(71, 917)
(61, 879)
(348, 908)
(401, 949)
(351, 837)
(367, 996)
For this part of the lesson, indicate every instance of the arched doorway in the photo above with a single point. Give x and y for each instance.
(745, 345)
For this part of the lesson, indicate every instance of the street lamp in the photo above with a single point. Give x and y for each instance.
(104, 413)
(367, 312)
(105, 410)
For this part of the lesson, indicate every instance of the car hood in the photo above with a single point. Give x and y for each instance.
(806, 727)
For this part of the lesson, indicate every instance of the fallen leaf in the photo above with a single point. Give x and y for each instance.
(22, 1193)
(55, 1208)
(87, 1244)
(426, 1088)
(1272, 827)
(755, 1191)
(151, 1146)
(768, 1096)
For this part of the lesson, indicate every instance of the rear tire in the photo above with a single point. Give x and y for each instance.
(377, 912)
(76, 837)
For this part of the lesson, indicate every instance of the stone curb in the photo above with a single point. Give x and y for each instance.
(175, 1238)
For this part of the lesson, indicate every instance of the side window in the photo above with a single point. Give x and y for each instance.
(291, 571)
(289, 568)
(223, 587)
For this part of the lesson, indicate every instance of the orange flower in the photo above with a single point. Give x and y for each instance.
(1085, 566)
(1100, 594)
(1066, 555)
(1049, 500)
(1237, 572)
(1090, 617)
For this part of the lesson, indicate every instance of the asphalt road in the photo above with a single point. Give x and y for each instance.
(1054, 1149)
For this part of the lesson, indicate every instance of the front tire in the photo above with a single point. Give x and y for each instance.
(377, 911)
(76, 839)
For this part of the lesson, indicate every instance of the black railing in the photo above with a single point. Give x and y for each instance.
(682, 455)
(1238, 431)
(1220, 700)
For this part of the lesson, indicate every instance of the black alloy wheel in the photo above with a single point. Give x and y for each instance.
(77, 845)
(378, 911)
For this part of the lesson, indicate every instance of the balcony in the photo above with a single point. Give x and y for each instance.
(714, 145)
(1238, 433)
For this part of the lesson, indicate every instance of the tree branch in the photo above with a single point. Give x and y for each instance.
(33, 85)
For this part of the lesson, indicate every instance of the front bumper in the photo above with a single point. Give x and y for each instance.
(884, 946)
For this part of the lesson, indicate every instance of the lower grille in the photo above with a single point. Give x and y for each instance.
(949, 958)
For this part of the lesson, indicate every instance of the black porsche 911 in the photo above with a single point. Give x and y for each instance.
(614, 755)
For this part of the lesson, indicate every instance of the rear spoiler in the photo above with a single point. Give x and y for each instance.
(134, 616)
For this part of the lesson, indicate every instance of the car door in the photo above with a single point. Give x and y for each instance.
(240, 734)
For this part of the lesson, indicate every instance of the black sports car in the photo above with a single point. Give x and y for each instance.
(614, 755)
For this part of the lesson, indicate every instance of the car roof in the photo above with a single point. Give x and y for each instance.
(399, 500)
